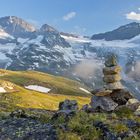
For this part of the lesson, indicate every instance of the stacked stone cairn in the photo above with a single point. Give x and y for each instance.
(113, 94)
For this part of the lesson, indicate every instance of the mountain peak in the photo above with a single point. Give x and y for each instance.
(127, 31)
(47, 28)
(16, 26)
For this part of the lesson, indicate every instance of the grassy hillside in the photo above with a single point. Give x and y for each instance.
(62, 89)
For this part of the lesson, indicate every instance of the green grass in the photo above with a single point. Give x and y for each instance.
(59, 85)
(22, 98)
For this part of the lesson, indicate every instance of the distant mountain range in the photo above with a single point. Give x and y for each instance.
(124, 32)
(25, 47)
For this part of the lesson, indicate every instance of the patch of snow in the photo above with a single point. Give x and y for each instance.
(22, 40)
(2, 90)
(4, 35)
(38, 88)
(36, 40)
(74, 39)
(84, 90)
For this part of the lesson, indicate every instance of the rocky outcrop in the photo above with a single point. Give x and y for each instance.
(113, 94)
(25, 128)
(17, 27)
(68, 105)
(103, 103)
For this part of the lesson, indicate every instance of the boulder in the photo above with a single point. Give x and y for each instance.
(111, 70)
(85, 107)
(114, 86)
(68, 105)
(132, 101)
(103, 103)
(133, 107)
(137, 112)
(101, 92)
(121, 97)
(18, 114)
(112, 78)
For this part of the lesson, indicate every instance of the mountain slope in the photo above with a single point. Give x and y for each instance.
(16, 27)
(124, 32)
(19, 96)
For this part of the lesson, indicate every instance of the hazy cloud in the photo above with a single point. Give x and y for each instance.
(87, 68)
(79, 30)
(135, 73)
(34, 22)
(69, 16)
(133, 16)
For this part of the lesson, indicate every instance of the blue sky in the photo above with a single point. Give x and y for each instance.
(78, 16)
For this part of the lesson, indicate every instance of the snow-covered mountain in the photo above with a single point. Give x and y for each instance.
(23, 47)
(124, 32)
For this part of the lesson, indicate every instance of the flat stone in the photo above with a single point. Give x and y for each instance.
(111, 61)
(104, 103)
(113, 86)
(112, 78)
(111, 70)
(103, 92)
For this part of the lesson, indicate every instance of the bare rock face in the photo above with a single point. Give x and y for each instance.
(104, 103)
(112, 78)
(111, 70)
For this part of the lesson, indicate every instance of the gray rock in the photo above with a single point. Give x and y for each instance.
(104, 103)
(121, 97)
(85, 107)
(26, 129)
(111, 61)
(132, 101)
(68, 105)
(114, 86)
(137, 112)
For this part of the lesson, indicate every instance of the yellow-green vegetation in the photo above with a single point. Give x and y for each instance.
(68, 136)
(124, 112)
(59, 85)
(119, 127)
(81, 126)
(62, 89)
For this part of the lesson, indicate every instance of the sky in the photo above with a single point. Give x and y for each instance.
(85, 17)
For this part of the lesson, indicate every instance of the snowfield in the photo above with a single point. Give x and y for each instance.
(38, 88)
(84, 90)
(2, 90)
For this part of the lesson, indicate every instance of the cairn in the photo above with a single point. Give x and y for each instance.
(113, 93)
(112, 75)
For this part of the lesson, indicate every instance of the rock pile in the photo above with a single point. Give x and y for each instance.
(113, 94)
(112, 74)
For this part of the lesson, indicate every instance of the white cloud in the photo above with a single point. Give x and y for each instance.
(133, 16)
(69, 16)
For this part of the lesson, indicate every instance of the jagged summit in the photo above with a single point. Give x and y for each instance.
(47, 28)
(16, 26)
